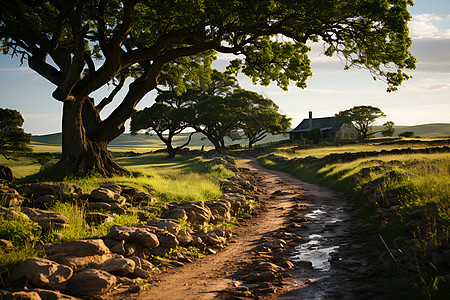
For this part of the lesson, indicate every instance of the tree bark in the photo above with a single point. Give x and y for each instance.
(82, 150)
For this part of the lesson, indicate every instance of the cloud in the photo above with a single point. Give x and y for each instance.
(428, 26)
(433, 55)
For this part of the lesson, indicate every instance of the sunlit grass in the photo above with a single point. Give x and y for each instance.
(293, 152)
(78, 227)
(184, 178)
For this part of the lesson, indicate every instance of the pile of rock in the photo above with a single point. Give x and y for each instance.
(92, 267)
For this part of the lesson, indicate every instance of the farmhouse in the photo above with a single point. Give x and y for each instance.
(329, 128)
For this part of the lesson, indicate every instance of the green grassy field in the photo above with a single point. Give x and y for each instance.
(142, 143)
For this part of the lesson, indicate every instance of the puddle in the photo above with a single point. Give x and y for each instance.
(318, 248)
(315, 252)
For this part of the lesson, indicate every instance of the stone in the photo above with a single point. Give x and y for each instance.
(10, 198)
(130, 249)
(98, 218)
(141, 196)
(184, 237)
(138, 272)
(52, 295)
(118, 266)
(78, 248)
(107, 196)
(172, 226)
(130, 191)
(268, 266)
(197, 212)
(45, 200)
(46, 219)
(220, 211)
(50, 188)
(167, 240)
(24, 295)
(118, 248)
(238, 202)
(212, 239)
(112, 187)
(142, 236)
(41, 273)
(79, 254)
(176, 214)
(6, 174)
(142, 263)
(90, 283)
(113, 207)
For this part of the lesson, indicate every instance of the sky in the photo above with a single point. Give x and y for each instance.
(421, 100)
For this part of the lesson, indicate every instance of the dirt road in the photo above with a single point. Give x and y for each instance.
(327, 234)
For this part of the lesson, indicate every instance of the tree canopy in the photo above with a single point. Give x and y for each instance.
(81, 46)
(362, 117)
(13, 139)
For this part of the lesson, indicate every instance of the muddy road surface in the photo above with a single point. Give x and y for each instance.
(303, 243)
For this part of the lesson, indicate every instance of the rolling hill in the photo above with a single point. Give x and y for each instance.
(433, 130)
(142, 142)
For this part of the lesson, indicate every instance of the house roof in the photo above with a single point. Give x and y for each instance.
(328, 123)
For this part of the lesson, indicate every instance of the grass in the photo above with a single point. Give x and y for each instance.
(424, 187)
(185, 178)
(320, 151)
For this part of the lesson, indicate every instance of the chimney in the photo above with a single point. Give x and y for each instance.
(310, 120)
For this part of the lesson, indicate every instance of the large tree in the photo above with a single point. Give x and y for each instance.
(13, 139)
(60, 39)
(362, 117)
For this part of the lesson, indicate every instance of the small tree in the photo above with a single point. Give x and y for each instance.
(388, 129)
(407, 134)
(163, 120)
(362, 117)
(260, 117)
(13, 139)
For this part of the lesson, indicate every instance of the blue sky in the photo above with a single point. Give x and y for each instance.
(423, 99)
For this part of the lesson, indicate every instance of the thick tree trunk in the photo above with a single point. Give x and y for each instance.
(81, 152)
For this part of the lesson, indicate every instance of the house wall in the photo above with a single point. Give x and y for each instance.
(348, 132)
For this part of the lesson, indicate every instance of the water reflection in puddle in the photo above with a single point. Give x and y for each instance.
(314, 252)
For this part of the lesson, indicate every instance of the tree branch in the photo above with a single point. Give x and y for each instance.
(107, 100)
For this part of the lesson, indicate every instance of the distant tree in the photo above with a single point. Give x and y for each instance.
(13, 139)
(216, 117)
(260, 117)
(362, 117)
(407, 134)
(388, 129)
(165, 121)
(315, 134)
